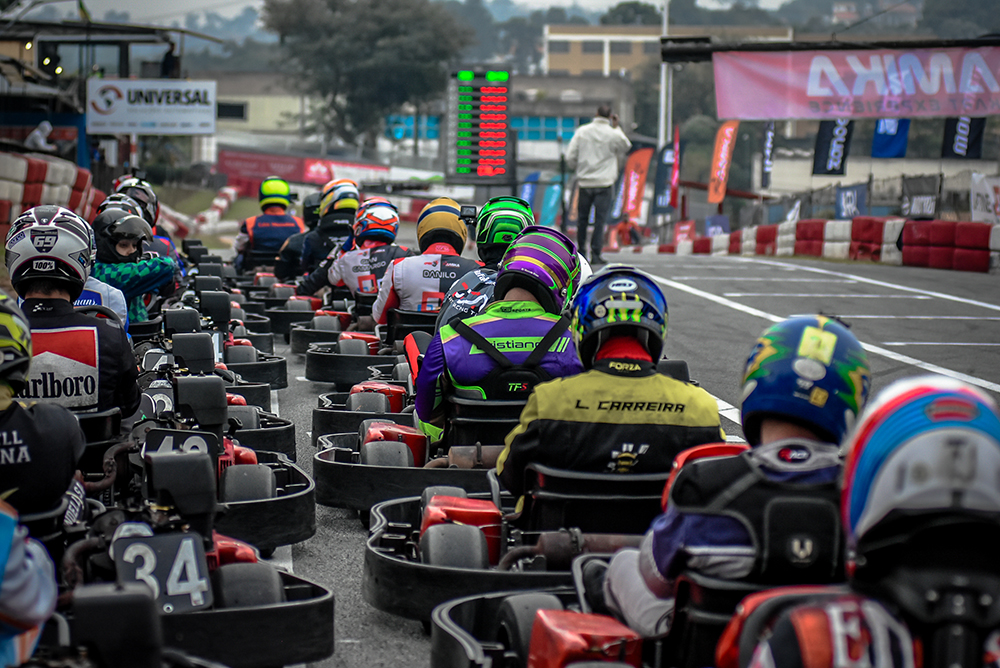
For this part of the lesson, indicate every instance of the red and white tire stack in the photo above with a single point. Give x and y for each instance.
(28, 180)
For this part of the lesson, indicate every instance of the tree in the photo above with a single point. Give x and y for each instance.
(474, 15)
(632, 13)
(363, 59)
(960, 18)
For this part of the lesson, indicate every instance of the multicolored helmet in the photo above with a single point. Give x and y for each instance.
(376, 220)
(439, 221)
(49, 245)
(274, 191)
(542, 261)
(500, 220)
(310, 209)
(142, 193)
(120, 201)
(15, 344)
(618, 301)
(339, 194)
(925, 447)
(809, 370)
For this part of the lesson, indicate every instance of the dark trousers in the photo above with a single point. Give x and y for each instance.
(600, 199)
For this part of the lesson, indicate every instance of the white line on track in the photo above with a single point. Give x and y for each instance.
(877, 350)
(884, 284)
(908, 317)
(776, 279)
(807, 294)
(731, 413)
(934, 343)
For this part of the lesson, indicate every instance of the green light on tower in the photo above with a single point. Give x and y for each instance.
(497, 76)
(466, 75)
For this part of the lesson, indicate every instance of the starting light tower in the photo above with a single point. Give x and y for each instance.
(480, 148)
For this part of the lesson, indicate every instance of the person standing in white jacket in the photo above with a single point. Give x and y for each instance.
(596, 153)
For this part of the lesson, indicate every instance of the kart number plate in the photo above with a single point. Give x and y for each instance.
(172, 565)
(168, 440)
(154, 359)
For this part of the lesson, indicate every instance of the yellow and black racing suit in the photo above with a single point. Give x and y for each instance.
(619, 417)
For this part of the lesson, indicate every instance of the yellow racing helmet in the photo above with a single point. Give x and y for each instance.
(275, 191)
(339, 194)
(439, 221)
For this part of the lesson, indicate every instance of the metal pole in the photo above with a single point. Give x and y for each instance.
(663, 131)
(563, 221)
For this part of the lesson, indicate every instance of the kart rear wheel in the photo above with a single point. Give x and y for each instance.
(515, 618)
(247, 585)
(440, 490)
(455, 546)
(241, 354)
(368, 402)
(248, 482)
(386, 453)
(248, 415)
(353, 347)
(326, 323)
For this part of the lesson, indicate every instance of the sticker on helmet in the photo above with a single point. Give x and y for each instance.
(44, 240)
(818, 397)
(951, 408)
(809, 369)
(794, 454)
(622, 285)
(817, 344)
(16, 239)
(600, 311)
(43, 265)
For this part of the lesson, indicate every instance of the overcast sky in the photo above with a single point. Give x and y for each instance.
(167, 13)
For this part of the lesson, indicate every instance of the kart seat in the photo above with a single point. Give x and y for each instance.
(592, 502)
(472, 421)
(401, 323)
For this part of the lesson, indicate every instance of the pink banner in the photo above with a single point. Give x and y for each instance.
(884, 83)
(634, 183)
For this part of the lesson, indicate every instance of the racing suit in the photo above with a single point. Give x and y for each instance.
(453, 362)
(289, 257)
(135, 279)
(469, 295)
(851, 630)
(27, 592)
(98, 293)
(362, 269)
(619, 417)
(420, 283)
(716, 524)
(330, 234)
(80, 362)
(263, 235)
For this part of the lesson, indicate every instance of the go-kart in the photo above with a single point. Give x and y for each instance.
(217, 600)
(269, 500)
(442, 545)
(325, 327)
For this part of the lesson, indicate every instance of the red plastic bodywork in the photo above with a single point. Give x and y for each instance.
(344, 316)
(374, 343)
(414, 439)
(235, 399)
(561, 637)
(475, 512)
(226, 550)
(395, 393)
(261, 274)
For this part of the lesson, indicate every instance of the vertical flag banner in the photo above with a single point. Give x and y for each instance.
(920, 196)
(891, 137)
(833, 142)
(722, 157)
(852, 201)
(550, 202)
(963, 138)
(675, 175)
(661, 181)
(767, 151)
(633, 185)
(529, 187)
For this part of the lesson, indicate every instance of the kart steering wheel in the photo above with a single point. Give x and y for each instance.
(100, 311)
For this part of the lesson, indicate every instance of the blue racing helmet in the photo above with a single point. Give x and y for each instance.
(809, 370)
(618, 301)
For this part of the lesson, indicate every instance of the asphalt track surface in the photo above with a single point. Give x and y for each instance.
(912, 321)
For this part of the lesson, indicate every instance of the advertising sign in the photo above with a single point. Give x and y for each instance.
(661, 181)
(767, 153)
(985, 199)
(963, 138)
(920, 196)
(879, 83)
(833, 143)
(684, 230)
(890, 138)
(634, 183)
(852, 201)
(725, 141)
(150, 107)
